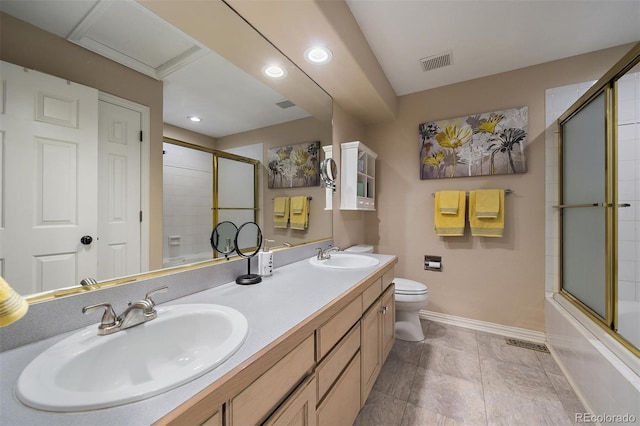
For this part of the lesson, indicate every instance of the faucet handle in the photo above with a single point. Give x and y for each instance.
(162, 289)
(108, 317)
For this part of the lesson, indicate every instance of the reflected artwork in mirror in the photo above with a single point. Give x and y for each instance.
(148, 84)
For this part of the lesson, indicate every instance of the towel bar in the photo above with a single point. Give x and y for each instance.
(308, 198)
(506, 191)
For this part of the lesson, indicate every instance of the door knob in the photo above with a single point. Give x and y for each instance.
(86, 240)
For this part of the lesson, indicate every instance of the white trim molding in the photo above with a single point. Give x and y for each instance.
(487, 327)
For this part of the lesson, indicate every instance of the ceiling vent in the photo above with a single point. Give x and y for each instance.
(436, 61)
(285, 103)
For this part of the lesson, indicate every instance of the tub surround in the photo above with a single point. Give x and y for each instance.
(281, 311)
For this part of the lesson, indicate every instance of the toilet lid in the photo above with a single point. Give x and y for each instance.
(405, 286)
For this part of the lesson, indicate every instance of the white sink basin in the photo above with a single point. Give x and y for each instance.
(86, 371)
(345, 261)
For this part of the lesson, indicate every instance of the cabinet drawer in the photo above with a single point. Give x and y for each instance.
(337, 360)
(387, 279)
(253, 405)
(342, 404)
(371, 293)
(332, 331)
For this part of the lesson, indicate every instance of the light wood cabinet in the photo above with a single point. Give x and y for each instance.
(388, 326)
(342, 404)
(370, 344)
(299, 409)
(215, 420)
(334, 329)
(377, 338)
(319, 374)
(357, 177)
(255, 403)
(334, 364)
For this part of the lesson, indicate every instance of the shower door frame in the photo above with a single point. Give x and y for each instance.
(607, 84)
(216, 155)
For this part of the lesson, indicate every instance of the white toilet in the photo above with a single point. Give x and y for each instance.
(411, 296)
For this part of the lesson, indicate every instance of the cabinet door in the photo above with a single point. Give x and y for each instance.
(215, 420)
(370, 352)
(388, 313)
(298, 409)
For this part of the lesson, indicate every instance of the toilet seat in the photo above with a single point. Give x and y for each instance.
(409, 287)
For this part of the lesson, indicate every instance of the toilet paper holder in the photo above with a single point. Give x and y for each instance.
(432, 263)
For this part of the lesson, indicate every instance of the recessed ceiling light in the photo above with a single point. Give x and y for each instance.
(194, 118)
(274, 71)
(318, 55)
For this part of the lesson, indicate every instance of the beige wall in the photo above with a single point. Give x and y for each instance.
(348, 225)
(31, 47)
(497, 280)
(291, 133)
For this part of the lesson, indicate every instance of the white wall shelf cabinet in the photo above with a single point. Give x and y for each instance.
(358, 177)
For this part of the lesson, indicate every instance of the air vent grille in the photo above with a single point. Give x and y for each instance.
(436, 61)
(285, 103)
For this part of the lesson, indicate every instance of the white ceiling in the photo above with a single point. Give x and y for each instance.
(487, 37)
(197, 81)
(484, 37)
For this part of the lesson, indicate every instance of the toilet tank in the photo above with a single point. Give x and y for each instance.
(360, 248)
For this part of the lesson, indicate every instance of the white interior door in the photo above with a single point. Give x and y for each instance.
(119, 190)
(50, 149)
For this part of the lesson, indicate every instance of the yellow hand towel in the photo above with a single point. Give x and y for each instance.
(484, 226)
(297, 204)
(449, 202)
(449, 225)
(488, 202)
(299, 213)
(280, 212)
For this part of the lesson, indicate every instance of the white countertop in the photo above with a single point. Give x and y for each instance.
(272, 307)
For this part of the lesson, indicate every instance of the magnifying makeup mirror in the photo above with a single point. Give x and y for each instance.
(223, 238)
(248, 242)
(329, 173)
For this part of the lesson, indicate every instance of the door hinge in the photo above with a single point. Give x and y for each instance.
(140, 135)
(140, 216)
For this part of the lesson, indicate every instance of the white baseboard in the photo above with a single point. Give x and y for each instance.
(487, 327)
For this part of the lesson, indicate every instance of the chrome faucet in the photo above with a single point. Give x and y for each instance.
(326, 254)
(136, 313)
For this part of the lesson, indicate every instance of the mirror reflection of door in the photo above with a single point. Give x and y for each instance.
(51, 147)
(119, 190)
(41, 237)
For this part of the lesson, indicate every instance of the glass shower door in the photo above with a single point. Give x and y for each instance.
(583, 206)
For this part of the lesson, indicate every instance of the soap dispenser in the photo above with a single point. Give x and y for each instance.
(265, 260)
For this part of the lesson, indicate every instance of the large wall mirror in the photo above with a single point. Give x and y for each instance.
(146, 66)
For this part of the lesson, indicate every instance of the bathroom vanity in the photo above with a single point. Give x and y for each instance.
(316, 342)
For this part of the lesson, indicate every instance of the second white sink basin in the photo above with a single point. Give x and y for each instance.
(345, 261)
(86, 371)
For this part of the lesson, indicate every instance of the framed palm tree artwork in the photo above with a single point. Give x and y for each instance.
(490, 143)
(293, 166)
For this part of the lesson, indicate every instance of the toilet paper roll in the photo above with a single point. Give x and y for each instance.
(434, 265)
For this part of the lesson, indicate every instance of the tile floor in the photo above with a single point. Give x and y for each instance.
(459, 376)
